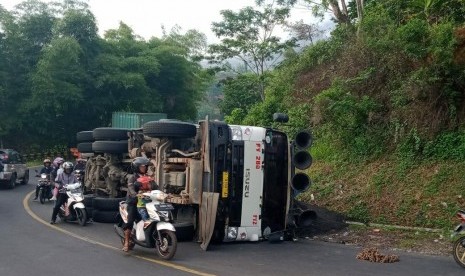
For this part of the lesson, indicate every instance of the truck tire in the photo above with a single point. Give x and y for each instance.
(185, 231)
(85, 147)
(105, 216)
(84, 136)
(173, 129)
(106, 204)
(88, 200)
(110, 146)
(110, 134)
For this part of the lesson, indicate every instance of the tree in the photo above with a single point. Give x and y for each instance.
(193, 42)
(25, 31)
(249, 36)
(241, 93)
(341, 10)
(180, 82)
(304, 31)
(125, 74)
(57, 91)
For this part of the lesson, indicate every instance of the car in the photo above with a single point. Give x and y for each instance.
(13, 168)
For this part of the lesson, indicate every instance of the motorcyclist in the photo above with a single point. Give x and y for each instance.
(63, 178)
(139, 166)
(47, 169)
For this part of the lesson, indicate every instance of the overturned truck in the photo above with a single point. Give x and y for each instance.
(227, 182)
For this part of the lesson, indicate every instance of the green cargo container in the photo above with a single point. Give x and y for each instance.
(134, 120)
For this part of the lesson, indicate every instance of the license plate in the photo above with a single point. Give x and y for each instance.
(164, 207)
(224, 190)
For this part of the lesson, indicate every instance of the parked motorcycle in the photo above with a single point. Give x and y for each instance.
(45, 187)
(74, 209)
(158, 232)
(459, 244)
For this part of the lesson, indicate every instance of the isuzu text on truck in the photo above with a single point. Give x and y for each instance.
(229, 182)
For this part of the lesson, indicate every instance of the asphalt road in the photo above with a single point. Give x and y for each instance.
(31, 246)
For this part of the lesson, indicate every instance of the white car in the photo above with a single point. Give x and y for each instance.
(13, 168)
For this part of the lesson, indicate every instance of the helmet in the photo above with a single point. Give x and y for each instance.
(46, 160)
(68, 167)
(139, 161)
(58, 161)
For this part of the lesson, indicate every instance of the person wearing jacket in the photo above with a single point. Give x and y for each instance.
(139, 166)
(47, 169)
(63, 178)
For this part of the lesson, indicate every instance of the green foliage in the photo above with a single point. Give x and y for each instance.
(346, 117)
(248, 35)
(58, 77)
(448, 145)
(359, 212)
(443, 44)
(236, 116)
(414, 36)
(240, 93)
(378, 29)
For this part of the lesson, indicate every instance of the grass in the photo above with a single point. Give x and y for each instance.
(422, 194)
(34, 163)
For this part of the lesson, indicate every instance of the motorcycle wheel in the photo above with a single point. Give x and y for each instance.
(81, 216)
(459, 251)
(41, 196)
(166, 244)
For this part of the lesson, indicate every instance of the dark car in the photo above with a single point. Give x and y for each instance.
(13, 168)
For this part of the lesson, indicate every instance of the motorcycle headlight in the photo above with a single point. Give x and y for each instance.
(232, 233)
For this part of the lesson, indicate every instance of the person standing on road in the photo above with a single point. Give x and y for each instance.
(63, 178)
(57, 168)
(47, 169)
(139, 166)
(80, 164)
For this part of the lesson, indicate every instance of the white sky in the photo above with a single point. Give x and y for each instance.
(146, 17)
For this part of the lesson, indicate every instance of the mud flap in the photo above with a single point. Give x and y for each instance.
(207, 216)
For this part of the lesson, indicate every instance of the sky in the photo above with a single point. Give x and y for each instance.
(146, 17)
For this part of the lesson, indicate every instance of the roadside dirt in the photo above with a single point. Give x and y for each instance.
(389, 240)
(329, 226)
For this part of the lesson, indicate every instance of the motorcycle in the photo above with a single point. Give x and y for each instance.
(158, 232)
(459, 244)
(45, 187)
(74, 209)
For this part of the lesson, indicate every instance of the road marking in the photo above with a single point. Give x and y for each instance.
(163, 263)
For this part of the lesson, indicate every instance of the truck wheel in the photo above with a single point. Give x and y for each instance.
(109, 133)
(185, 231)
(84, 136)
(85, 147)
(105, 216)
(174, 129)
(88, 200)
(106, 204)
(110, 146)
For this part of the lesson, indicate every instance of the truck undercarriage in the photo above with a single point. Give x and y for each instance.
(230, 182)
